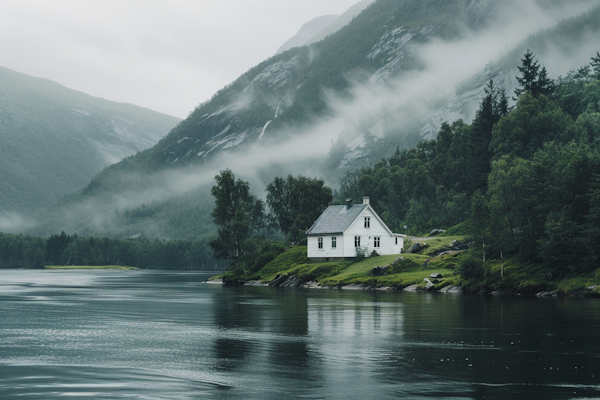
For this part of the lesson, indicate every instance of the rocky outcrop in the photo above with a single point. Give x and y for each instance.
(416, 247)
(381, 270)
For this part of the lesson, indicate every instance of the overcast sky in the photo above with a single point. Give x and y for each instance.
(168, 56)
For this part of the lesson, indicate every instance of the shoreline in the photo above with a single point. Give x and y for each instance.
(295, 281)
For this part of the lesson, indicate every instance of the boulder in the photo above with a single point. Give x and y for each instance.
(553, 293)
(501, 292)
(436, 232)
(311, 285)
(381, 270)
(457, 246)
(416, 247)
(451, 289)
(435, 275)
(412, 288)
(255, 283)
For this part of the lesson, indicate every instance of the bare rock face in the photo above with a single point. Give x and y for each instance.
(480, 11)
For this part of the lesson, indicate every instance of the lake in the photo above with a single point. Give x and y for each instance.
(169, 335)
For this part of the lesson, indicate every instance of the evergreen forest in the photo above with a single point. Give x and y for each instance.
(524, 182)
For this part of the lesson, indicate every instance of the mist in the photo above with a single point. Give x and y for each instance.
(411, 99)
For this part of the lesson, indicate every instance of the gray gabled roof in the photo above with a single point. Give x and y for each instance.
(336, 219)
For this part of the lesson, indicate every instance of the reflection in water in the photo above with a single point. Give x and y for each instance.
(123, 334)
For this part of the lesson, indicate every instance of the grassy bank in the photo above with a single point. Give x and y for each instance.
(408, 271)
(509, 275)
(88, 267)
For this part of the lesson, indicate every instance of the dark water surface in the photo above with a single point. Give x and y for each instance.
(165, 335)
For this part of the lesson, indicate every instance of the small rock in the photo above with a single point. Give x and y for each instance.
(451, 289)
(501, 293)
(411, 288)
(255, 283)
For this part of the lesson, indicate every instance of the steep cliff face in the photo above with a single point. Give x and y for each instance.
(53, 140)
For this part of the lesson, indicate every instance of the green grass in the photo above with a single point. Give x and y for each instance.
(412, 273)
(518, 277)
(461, 229)
(439, 243)
(88, 267)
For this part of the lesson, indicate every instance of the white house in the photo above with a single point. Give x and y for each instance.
(340, 230)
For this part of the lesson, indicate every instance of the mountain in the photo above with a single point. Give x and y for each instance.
(339, 22)
(387, 79)
(53, 140)
(307, 31)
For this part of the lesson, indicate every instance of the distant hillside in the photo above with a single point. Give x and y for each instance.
(53, 140)
(339, 23)
(307, 31)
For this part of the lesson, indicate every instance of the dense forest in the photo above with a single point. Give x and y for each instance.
(524, 182)
(17, 251)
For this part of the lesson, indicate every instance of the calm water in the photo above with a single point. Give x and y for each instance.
(153, 335)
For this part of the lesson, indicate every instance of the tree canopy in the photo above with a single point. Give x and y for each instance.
(296, 203)
(237, 214)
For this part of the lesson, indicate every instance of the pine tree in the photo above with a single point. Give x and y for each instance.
(595, 64)
(544, 85)
(529, 73)
(493, 106)
(503, 108)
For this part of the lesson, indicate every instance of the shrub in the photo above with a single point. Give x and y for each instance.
(471, 268)
(360, 254)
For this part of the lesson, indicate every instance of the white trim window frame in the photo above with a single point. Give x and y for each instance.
(334, 242)
(367, 222)
(320, 243)
(377, 242)
(356, 241)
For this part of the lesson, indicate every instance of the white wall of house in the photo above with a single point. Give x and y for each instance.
(345, 242)
(368, 235)
(328, 251)
(398, 243)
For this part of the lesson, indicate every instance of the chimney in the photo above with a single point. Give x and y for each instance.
(366, 200)
(348, 203)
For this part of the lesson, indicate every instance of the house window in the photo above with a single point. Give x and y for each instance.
(320, 243)
(367, 222)
(377, 241)
(396, 240)
(333, 242)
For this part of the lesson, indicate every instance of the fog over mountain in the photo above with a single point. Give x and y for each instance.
(388, 78)
(53, 140)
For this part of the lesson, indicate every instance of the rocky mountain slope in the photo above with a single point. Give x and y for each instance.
(388, 78)
(53, 140)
